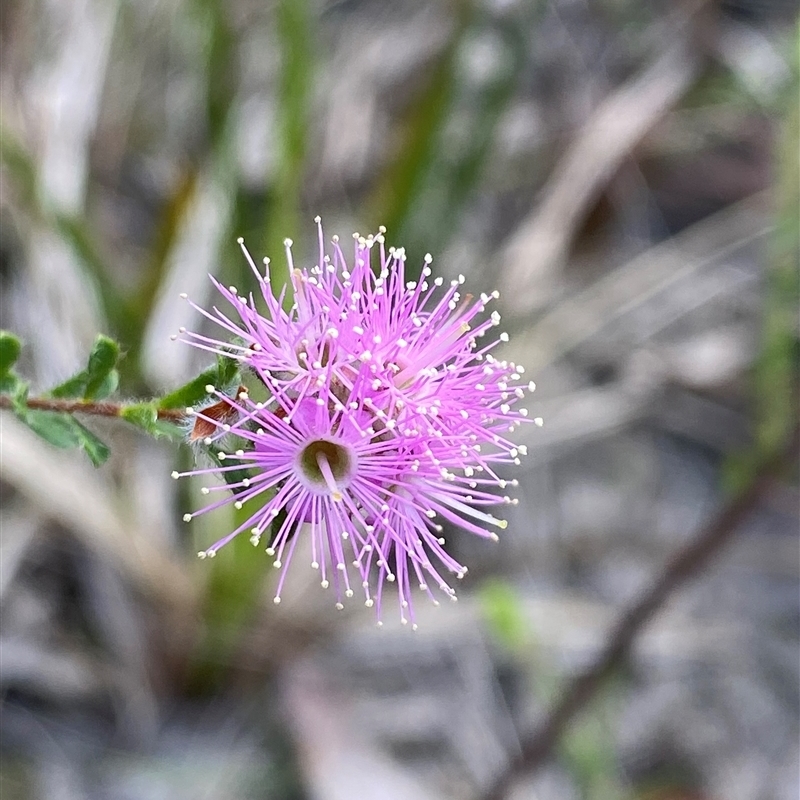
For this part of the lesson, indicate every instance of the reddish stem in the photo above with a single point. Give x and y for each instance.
(97, 409)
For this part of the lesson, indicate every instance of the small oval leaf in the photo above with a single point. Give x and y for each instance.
(97, 450)
(142, 415)
(10, 347)
(102, 360)
(145, 417)
(73, 386)
(58, 430)
(222, 376)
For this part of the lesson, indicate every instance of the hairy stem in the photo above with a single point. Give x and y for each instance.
(97, 409)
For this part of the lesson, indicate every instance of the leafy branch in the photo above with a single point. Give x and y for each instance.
(51, 414)
(93, 408)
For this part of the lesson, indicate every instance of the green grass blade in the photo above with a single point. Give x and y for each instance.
(295, 39)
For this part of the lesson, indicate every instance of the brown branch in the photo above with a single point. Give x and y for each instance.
(97, 409)
(686, 563)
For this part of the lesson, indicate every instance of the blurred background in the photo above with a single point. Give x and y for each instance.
(625, 172)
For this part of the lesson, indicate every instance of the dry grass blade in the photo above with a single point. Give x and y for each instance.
(70, 494)
(336, 764)
(19, 532)
(584, 314)
(66, 107)
(539, 247)
(193, 257)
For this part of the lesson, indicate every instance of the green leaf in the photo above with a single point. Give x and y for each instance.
(56, 429)
(62, 431)
(230, 476)
(277, 523)
(100, 369)
(10, 347)
(168, 430)
(99, 379)
(223, 375)
(96, 449)
(74, 386)
(10, 383)
(19, 397)
(190, 393)
(142, 415)
(227, 371)
(108, 386)
(145, 416)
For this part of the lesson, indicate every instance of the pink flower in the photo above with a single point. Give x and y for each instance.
(383, 413)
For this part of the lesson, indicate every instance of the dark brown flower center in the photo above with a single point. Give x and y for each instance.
(315, 455)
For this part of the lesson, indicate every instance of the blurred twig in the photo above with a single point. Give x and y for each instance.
(582, 315)
(684, 565)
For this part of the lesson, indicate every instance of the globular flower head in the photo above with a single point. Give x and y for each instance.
(384, 414)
